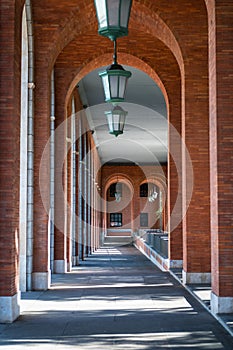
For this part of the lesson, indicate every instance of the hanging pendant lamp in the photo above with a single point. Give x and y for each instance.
(114, 80)
(116, 120)
(113, 17)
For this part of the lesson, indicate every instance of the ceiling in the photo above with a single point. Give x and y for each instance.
(144, 140)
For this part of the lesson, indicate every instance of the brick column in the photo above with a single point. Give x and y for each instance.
(96, 232)
(85, 238)
(195, 132)
(41, 270)
(136, 209)
(9, 159)
(71, 245)
(93, 205)
(62, 165)
(77, 222)
(78, 184)
(79, 189)
(221, 150)
(89, 194)
(65, 243)
(174, 177)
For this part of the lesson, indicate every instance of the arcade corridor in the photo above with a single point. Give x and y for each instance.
(107, 137)
(116, 299)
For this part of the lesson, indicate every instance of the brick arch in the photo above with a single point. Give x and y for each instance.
(117, 177)
(128, 59)
(145, 15)
(77, 27)
(194, 90)
(156, 25)
(156, 181)
(108, 182)
(210, 4)
(125, 58)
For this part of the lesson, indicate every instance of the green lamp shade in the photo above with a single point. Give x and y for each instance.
(116, 120)
(113, 17)
(114, 81)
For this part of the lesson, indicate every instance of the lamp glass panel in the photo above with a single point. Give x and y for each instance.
(110, 122)
(114, 85)
(115, 122)
(122, 121)
(113, 12)
(101, 13)
(122, 85)
(106, 87)
(125, 9)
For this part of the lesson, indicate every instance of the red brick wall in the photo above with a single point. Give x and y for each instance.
(221, 144)
(10, 46)
(62, 213)
(41, 137)
(124, 207)
(66, 247)
(176, 34)
(62, 175)
(134, 176)
(97, 215)
(184, 78)
(163, 37)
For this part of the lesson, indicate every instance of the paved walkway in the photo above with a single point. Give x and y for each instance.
(202, 292)
(116, 299)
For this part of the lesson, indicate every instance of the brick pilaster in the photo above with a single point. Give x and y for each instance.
(221, 144)
(41, 268)
(10, 45)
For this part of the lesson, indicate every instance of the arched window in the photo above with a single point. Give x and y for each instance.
(144, 190)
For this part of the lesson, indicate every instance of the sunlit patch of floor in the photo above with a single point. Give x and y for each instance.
(141, 341)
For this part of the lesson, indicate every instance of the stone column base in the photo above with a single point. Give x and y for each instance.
(60, 266)
(9, 308)
(41, 280)
(221, 305)
(196, 277)
(75, 260)
(23, 273)
(69, 266)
